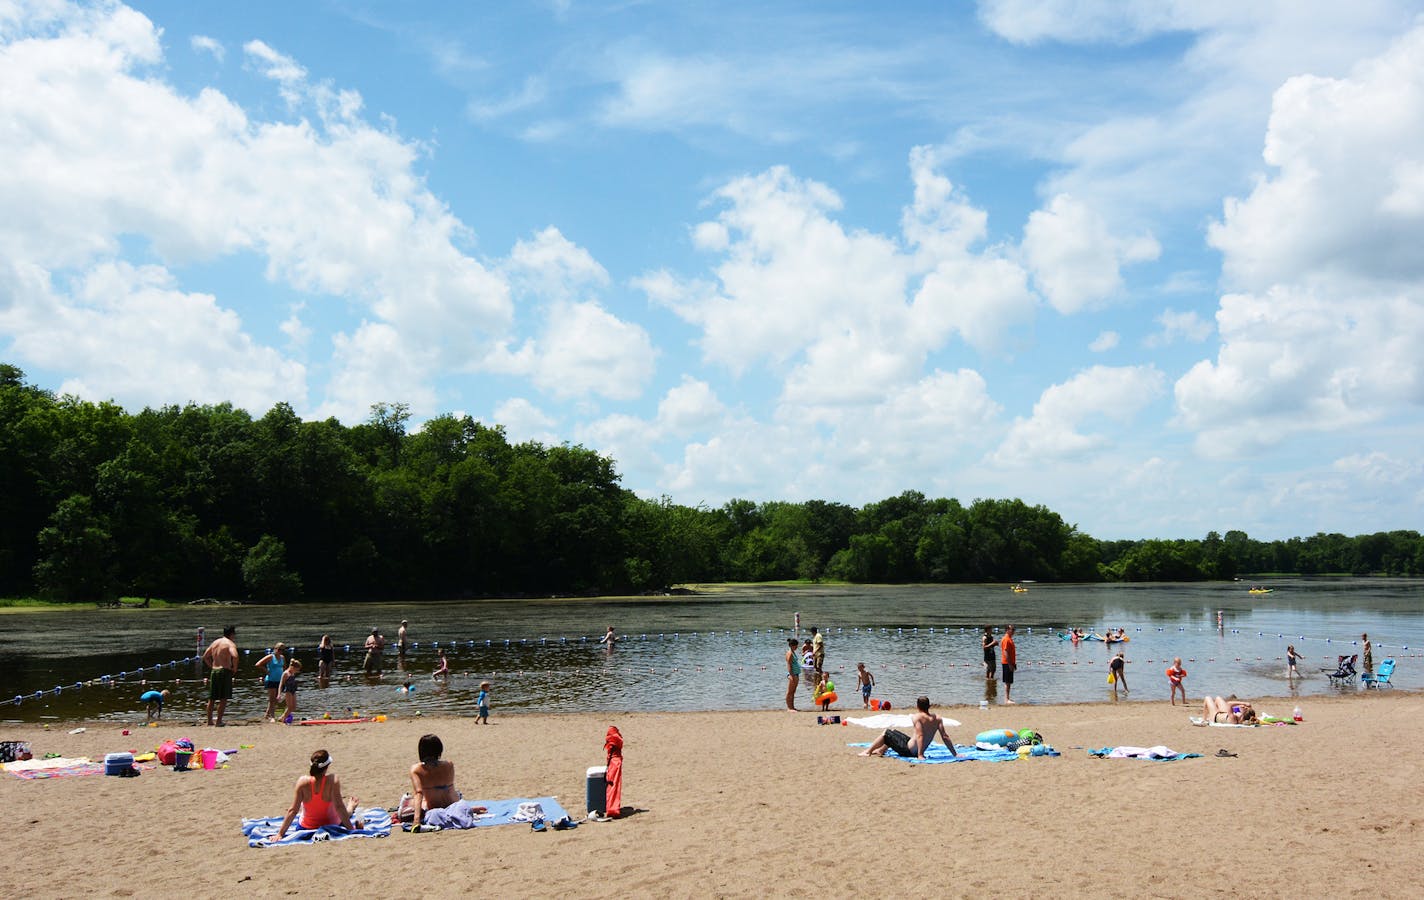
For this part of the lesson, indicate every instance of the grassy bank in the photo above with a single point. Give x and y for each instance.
(37, 604)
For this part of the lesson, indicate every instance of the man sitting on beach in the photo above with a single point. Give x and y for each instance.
(925, 725)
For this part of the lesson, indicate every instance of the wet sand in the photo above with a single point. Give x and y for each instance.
(754, 804)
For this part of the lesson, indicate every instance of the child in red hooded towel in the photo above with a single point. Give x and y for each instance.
(613, 747)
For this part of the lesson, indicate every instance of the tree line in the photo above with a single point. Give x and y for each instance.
(205, 500)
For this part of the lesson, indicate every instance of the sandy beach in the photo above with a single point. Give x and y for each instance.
(743, 804)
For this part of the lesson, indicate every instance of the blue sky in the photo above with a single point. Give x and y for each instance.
(1153, 265)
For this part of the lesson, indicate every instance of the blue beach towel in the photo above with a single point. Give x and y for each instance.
(497, 812)
(263, 832)
(938, 753)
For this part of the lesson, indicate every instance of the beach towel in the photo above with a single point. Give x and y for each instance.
(883, 721)
(938, 753)
(461, 815)
(56, 767)
(613, 796)
(263, 832)
(1200, 722)
(1158, 753)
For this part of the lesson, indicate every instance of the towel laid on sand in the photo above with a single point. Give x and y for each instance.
(1200, 722)
(263, 832)
(882, 721)
(497, 812)
(58, 767)
(1158, 753)
(938, 753)
(54, 767)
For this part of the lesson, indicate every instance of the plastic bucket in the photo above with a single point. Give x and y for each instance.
(181, 758)
(210, 759)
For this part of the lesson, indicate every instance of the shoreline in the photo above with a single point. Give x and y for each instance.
(836, 709)
(757, 802)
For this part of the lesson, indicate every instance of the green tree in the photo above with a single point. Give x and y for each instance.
(265, 572)
(76, 552)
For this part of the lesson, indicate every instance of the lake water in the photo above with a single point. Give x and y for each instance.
(722, 650)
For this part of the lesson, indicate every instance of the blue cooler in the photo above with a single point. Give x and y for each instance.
(117, 763)
(596, 795)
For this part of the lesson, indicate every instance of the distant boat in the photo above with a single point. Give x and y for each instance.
(1018, 589)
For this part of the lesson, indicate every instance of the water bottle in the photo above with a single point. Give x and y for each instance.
(1296, 714)
(984, 705)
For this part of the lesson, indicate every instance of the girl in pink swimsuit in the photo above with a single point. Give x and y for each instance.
(318, 798)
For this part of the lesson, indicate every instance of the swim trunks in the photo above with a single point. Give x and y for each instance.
(865, 691)
(898, 741)
(1008, 676)
(220, 684)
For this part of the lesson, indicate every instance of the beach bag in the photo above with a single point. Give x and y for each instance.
(167, 752)
(14, 751)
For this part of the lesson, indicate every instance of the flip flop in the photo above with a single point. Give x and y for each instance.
(1224, 752)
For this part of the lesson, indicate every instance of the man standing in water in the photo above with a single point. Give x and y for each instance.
(793, 673)
(375, 648)
(1008, 662)
(818, 650)
(221, 655)
(925, 724)
(400, 640)
(610, 638)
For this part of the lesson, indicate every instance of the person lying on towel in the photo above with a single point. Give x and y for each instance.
(319, 799)
(1230, 712)
(925, 725)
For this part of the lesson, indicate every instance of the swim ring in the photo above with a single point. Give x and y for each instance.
(999, 736)
(828, 697)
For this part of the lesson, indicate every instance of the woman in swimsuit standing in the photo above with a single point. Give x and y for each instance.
(319, 799)
(273, 666)
(989, 642)
(325, 658)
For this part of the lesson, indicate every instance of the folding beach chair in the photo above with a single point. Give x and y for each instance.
(1344, 670)
(1381, 677)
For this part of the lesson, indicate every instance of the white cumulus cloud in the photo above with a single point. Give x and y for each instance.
(1056, 432)
(1321, 329)
(1077, 264)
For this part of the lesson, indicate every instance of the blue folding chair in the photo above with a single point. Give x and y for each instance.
(1381, 677)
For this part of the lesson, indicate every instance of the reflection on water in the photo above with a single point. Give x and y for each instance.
(723, 651)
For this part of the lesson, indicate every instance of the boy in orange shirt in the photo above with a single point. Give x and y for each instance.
(1175, 674)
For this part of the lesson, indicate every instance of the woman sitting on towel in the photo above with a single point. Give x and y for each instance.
(1230, 712)
(432, 779)
(319, 799)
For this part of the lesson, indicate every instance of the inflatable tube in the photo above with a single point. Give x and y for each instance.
(828, 697)
(998, 736)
